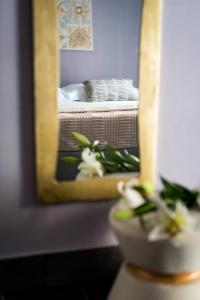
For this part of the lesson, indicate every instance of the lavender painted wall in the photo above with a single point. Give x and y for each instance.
(179, 127)
(116, 25)
(26, 226)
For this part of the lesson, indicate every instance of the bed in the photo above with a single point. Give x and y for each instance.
(113, 122)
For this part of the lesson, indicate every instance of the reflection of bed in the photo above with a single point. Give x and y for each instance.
(114, 122)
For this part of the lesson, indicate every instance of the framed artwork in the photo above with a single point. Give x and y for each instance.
(75, 24)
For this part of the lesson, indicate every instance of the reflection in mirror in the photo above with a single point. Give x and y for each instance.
(98, 92)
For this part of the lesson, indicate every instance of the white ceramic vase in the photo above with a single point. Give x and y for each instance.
(159, 257)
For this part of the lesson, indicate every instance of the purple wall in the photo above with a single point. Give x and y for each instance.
(116, 26)
(26, 226)
(179, 127)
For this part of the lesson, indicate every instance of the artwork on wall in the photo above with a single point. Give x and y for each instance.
(75, 24)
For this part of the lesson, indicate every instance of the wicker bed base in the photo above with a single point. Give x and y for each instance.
(119, 128)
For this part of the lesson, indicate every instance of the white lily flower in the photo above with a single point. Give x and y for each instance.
(130, 197)
(90, 166)
(96, 143)
(173, 224)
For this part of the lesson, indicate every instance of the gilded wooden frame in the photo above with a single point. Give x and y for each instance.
(46, 77)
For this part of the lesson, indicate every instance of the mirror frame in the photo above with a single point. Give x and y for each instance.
(46, 78)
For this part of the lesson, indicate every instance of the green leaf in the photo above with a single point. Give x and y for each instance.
(110, 168)
(115, 155)
(96, 149)
(176, 192)
(108, 162)
(139, 211)
(123, 214)
(130, 167)
(131, 158)
(145, 208)
(125, 162)
(82, 139)
(69, 159)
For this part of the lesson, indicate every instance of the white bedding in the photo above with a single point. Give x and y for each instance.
(79, 106)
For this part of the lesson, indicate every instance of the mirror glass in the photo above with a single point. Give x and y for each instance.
(98, 94)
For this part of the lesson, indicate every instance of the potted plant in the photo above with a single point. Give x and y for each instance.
(94, 162)
(159, 235)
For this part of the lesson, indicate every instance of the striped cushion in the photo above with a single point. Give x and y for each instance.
(110, 89)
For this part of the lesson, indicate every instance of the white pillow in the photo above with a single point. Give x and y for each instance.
(74, 92)
(61, 99)
(136, 93)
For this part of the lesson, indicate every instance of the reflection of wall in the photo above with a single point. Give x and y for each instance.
(115, 38)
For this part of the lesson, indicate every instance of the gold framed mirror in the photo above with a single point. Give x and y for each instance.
(46, 78)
